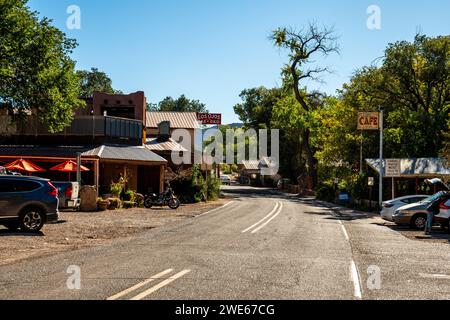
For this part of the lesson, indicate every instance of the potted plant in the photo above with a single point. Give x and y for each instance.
(102, 204)
(114, 203)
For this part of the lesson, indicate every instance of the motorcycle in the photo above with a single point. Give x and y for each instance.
(165, 199)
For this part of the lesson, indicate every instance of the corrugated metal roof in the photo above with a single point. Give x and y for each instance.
(178, 120)
(171, 145)
(125, 153)
(425, 167)
(250, 164)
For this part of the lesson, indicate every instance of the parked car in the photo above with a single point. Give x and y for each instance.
(226, 180)
(68, 194)
(415, 214)
(389, 207)
(443, 218)
(27, 202)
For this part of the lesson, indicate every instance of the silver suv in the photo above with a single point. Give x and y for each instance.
(27, 202)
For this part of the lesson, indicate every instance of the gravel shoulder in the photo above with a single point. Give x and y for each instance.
(77, 230)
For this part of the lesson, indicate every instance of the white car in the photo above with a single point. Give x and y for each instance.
(389, 207)
(226, 180)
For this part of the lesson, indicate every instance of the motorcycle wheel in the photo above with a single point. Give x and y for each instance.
(174, 204)
(148, 203)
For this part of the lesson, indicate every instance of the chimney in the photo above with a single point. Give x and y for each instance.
(164, 131)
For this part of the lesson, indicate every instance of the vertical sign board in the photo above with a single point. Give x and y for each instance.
(392, 169)
(368, 121)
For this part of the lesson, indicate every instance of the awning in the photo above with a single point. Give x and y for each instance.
(104, 152)
(420, 167)
(153, 144)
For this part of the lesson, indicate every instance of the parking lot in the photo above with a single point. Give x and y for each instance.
(77, 230)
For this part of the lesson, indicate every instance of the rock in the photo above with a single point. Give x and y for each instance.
(88, 196)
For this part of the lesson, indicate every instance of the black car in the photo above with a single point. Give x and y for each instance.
(27, 202)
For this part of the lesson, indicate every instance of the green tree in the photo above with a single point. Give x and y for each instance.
(94, 80)
(36, 72)
(257, 105)
(303, 47)
(413, 84)
(181, 104)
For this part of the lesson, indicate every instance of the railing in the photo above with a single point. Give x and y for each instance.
(95, 127)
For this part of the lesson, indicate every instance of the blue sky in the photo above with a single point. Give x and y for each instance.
(213, 49)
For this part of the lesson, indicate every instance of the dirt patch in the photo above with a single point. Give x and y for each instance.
(438, 235)
(77, 230)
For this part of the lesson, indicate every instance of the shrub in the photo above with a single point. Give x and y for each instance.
(326, 193)
(114, 203)
(213, 188)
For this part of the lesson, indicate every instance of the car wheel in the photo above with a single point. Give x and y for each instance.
(419, 222)
(31, 220)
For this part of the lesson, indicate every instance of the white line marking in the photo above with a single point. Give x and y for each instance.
(345, 232)
(353, 269)
(214, 210)
(160, 285)
(435, 276)
(263, 219)
(139, 285)
(356, 282)
(268, 221)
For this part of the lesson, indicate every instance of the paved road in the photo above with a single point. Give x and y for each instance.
(261, 245)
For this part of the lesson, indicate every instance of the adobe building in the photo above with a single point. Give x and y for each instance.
(110, 134)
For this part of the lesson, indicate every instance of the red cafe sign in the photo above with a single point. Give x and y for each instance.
(368, 121)
(210, 118)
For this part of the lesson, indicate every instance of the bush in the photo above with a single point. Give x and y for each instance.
(114, 203)
(213, 188)
(326, 193)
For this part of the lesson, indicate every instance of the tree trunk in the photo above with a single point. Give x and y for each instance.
(311, 161)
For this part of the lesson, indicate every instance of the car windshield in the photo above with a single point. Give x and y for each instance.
(433, 197)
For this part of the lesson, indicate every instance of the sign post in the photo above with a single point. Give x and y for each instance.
(374, 121)
(381, 124)
(393, 171)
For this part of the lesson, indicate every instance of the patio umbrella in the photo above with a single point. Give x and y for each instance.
(69, 166)
(24, 166)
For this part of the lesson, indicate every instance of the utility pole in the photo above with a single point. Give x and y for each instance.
(381, 156)
(361, 171)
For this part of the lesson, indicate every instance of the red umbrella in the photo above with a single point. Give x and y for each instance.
(69, 166)
(24, 166)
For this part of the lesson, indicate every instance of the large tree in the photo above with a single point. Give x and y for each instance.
(413, 84)
(256, 107)
(181, 104)
(304, 46)
(36, 72)
(94, 80)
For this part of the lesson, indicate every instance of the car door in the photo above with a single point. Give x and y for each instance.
(444, 207)
(9, 199)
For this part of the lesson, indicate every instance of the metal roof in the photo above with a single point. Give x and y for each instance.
(178, 120)
(420, 167)
(122, 153)
(251, 164)
(154, 144)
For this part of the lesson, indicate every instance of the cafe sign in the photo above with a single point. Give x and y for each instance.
(368, 121)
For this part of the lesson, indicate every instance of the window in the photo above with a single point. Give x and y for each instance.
(11, 185)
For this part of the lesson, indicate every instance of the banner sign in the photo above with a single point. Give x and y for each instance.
(368, 121)
(210, 118)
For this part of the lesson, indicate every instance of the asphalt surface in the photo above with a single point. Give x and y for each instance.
(261, 245)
